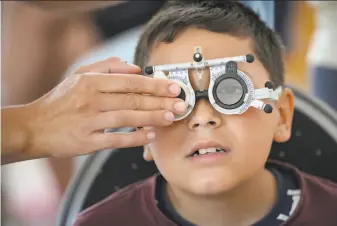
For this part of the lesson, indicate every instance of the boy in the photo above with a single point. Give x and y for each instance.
(235, 187)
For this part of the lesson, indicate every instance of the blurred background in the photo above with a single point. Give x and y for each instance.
(45, 44)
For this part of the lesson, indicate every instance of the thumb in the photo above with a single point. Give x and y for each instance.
(110, 65)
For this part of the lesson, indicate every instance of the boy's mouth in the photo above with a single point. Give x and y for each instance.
(207, 149)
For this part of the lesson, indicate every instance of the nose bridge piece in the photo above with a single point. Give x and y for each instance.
(201, 94)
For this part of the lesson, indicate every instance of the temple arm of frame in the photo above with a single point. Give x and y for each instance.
(266, 93)
(257, 104)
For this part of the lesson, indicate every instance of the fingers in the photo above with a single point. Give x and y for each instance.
(146, 155)
(122, 140)
(115, 76)
(110, 65)
(113, 102)
(130, 118)
(131, 83)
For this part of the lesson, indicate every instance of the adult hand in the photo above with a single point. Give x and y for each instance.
(70, 120)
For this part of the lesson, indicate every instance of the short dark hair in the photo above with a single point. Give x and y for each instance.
(230, 17)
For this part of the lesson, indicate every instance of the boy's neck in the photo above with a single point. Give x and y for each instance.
(243, 205)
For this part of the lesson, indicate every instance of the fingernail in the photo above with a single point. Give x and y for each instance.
(169, 116)
(174, 89)
(151, 136)
(180, 106)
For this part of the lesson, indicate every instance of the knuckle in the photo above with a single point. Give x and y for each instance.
(132, 101)
(89, 68)
(166, 104)
(86, 83)
(156, 86)
(115, 119)
(130, 83)
(81, 104)
(83, 81)
(81, 98)
(134, 83)
(151, 86)
(115, 59)
(159, 85)
(96, 65)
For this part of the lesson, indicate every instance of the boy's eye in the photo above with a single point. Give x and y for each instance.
(229, 91)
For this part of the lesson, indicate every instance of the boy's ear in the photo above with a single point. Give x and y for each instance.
(286, 110)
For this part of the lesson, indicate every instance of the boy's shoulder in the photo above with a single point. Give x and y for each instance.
(319, 189)
(319, 206)
(125, 207)
(318, 203)
(308, 182)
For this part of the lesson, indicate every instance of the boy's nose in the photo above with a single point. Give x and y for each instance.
(204, 116)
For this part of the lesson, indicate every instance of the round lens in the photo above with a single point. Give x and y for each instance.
(229, 91)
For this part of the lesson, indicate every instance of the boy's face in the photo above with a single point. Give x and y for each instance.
(247, 137)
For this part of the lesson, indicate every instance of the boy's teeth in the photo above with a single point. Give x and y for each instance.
(207, 150)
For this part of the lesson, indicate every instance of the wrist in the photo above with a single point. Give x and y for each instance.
(15, 132)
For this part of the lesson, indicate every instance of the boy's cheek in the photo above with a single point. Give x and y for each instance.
(250, 130)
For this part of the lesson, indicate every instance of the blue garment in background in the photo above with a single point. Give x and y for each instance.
(266, 10)
(324, 85)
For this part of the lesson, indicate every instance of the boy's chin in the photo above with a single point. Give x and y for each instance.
(212, 185)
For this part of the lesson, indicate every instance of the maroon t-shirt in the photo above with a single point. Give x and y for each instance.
(135, 205)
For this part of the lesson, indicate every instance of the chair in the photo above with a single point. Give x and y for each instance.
(312, 148)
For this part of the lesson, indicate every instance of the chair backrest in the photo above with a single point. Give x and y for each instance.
(312, 148)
